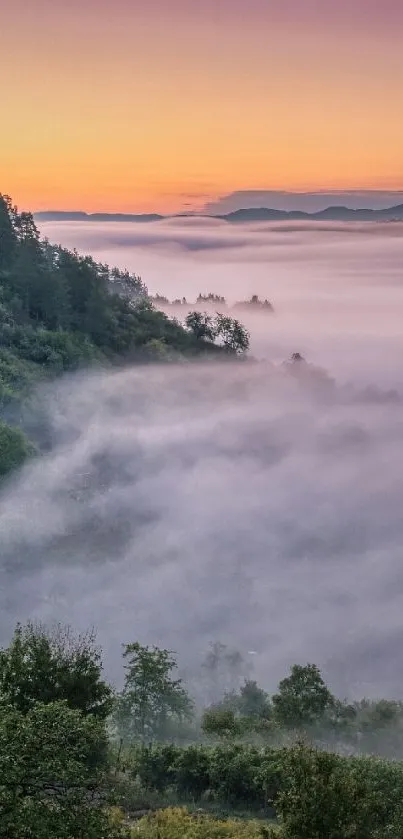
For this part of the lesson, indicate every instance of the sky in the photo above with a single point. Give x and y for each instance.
(168, 105)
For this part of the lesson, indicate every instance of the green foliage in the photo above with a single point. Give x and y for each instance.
(326, 796)
(201, 325)
(234, 337)
(59, 309)
(50, 784)
(39, 666)
(231, 335)
(316, 794)
(151, 696)
(233, 775)
(177, 823)
(302, 698)
(54, 755)
(8, 239)
(14, 449)
(220, 722)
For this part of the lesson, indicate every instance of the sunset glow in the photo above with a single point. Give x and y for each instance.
(141, 105)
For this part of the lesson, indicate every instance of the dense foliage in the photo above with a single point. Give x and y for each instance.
(60, 761)
(42, 666)
(314, 793)
(51, 782)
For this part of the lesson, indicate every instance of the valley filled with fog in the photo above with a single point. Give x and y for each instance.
(337, 289)
(252, 503)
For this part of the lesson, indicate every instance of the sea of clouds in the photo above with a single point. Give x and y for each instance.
(246, 503)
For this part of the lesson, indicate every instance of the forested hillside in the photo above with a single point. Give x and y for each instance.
(60, 312)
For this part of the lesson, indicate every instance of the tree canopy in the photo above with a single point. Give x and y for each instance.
(47, 666)
(51, 784)
(152, 696)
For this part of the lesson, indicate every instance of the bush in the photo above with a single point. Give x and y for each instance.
(326, 796)
(316, 794)
(234, 775)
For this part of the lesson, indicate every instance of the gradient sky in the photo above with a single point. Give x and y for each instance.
(166, 104)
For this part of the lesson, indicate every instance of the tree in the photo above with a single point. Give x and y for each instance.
(51, 784)
(233, 335)
(14, 448)
(255, 303)
(46, 667)
(302, 698)
(253, 701)
(8, 239)
(151, 698)
(215, 299)
(201, 325)
(224, 669)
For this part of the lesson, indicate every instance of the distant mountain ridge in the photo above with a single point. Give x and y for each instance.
(336, 213)
(78, 215)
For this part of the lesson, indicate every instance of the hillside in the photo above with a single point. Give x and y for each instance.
(60, 312)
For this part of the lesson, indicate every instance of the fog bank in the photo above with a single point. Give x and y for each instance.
(240, 503)
(337, 289)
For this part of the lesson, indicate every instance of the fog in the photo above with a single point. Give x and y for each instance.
(337, 289)
(245, 503)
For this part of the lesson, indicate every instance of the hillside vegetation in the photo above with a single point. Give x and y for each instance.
(60, 312)
(66, 773)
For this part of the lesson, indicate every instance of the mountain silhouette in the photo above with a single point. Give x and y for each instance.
(336, 213)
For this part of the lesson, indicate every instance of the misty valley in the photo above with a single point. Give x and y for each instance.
(200, 529)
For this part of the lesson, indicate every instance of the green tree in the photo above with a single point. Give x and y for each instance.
(151, 698)
(50, 782)
(43, 666)
(303, 697)
(201, 325)
(14, 448)
(8, 239)
(253, 701)
(232, 334)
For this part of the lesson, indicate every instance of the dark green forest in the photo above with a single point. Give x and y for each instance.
(60, 312)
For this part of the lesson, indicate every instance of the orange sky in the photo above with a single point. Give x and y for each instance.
(135, 105)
